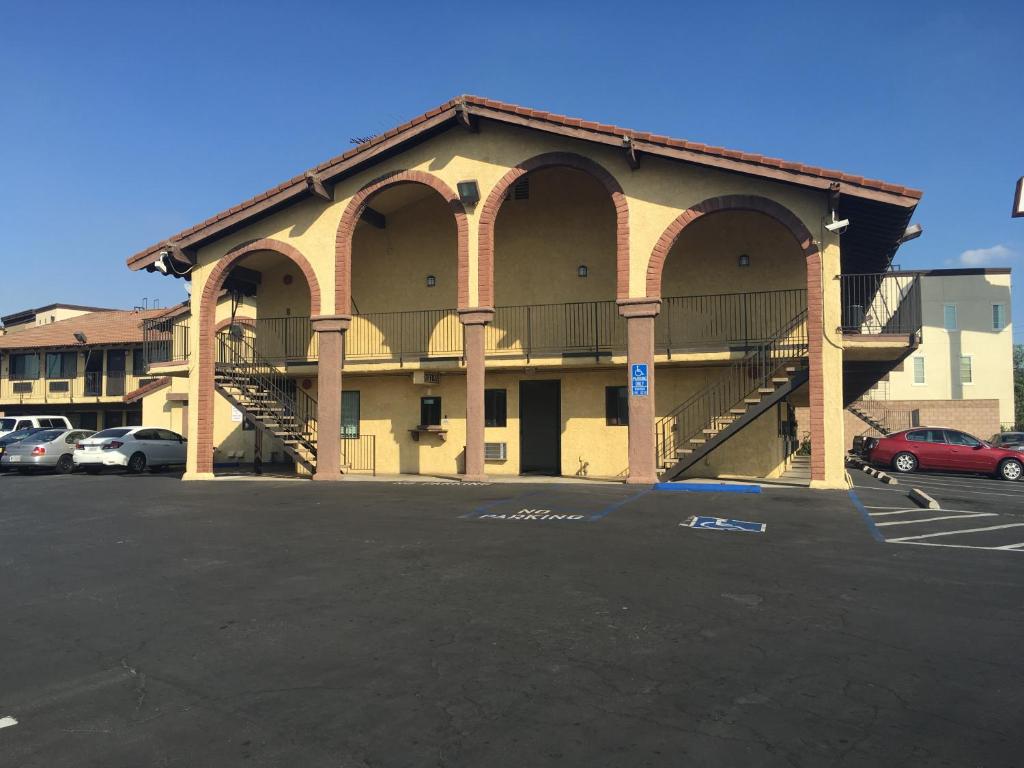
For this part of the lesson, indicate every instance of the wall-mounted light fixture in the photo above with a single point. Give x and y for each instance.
(744, 260)
(582, 271)
(79, 337)
(469, 192)
(431, 281)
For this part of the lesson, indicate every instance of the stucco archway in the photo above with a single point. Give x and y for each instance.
(208, 331)
(354, 210)
(491, 207)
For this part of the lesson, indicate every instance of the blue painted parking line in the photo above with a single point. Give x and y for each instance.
(708, 487)
(867, 517)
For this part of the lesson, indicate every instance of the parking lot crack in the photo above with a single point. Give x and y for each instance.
(139, 679)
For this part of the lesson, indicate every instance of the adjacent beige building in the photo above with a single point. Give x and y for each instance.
(961, 374)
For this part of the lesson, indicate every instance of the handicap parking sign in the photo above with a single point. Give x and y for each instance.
(638, 379)
(723, 524)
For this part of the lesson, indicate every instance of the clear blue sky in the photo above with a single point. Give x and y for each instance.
(125, 122)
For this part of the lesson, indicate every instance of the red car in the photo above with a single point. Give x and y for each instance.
(943, 449)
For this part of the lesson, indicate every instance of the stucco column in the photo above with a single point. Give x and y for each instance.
(640, 314)
(330, 330)
(474, 320)
(825, 361)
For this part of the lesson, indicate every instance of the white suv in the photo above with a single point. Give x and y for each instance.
(132, 447)
(10, 424)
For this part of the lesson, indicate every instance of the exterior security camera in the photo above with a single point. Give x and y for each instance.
(839, 227)
(163, 263)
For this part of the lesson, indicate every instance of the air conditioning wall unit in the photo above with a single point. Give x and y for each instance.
(495, 451)
(426, 378)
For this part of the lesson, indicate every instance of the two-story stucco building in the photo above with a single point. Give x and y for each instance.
(489, 289)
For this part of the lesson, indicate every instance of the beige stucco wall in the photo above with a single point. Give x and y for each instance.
(991, 350)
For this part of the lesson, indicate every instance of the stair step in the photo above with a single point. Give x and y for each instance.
(683, 452)
(752, 400)
(780, 380)
(766, 390)
(698, 440)
(711, 432)
(739, 411)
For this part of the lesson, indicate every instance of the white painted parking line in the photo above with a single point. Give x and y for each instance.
(897, 512)
(7, 722)
(936, 519)
(954, 533)
(1012, 546)
(901, 509)
(950, 546)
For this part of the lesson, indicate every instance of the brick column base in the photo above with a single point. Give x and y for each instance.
(473, 321)
(330, 330)
(640, 314)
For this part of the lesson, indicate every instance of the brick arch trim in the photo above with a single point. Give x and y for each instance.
(227, 321)
(208, 330)
(778, 212)
(354, 209)
(489, 215)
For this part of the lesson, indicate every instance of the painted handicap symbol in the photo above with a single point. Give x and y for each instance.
(722, 524)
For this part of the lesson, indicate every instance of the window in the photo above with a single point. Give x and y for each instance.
(998, 317)
(949, 316)
(430, 411)
(24, 367)
(616, 406)
(350, 413)
(61, 365)
(966, 372)
(138, 362)
(959, 438)
(166, 434)
(919, 370)
(146, 434)
(495, 408)
(926, 436)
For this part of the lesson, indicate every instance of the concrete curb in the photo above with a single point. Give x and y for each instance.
(923, 499)
(887, 478)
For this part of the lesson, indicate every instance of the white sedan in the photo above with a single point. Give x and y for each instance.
(132, 447)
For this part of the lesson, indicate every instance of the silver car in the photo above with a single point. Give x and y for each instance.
(48, 449)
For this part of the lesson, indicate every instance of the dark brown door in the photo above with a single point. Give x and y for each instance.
(540, 427)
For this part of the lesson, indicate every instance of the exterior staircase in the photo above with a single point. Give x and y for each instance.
(268, 397)
(749, 387)
(890, 420)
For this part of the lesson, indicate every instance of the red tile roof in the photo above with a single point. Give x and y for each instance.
(746, 162)
(100, 328)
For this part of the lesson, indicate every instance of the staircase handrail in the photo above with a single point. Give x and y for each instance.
(745, 375)
(238, 354)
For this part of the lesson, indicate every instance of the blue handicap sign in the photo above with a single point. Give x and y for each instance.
(638, 379)
(723, 524)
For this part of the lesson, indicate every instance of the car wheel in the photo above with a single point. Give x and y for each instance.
(904, 462)
(137, 463)
(1011, 469)
(65, 465)
(94, 470)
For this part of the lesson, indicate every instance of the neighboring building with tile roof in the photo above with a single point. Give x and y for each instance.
(51, 313)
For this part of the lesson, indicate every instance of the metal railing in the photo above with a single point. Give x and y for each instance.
(166, 339)
(286, 338)
(90, 386)
(582, 327)
(881, 303)
(709, 408)
(404, 336)
(724, 319)
(359, 453)
(235, 353)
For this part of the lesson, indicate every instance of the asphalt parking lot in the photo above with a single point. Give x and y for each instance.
(976, 512)
(149, 622)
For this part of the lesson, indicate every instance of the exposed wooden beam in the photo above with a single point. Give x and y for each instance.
(466, 120)
(316, 187)
(374, 218)
(632, 156)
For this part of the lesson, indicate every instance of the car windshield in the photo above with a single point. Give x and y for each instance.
(45, 436)
(112, 433)
(6, 425)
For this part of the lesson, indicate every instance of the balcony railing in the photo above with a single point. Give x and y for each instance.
(166, 340)
(404, 336)
(91, 386)
(882, 303)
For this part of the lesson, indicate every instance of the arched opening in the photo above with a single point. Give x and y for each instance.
(259, 283)
(553, 260)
